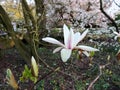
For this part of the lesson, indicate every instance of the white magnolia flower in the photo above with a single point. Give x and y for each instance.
(117, 35)
(71, 40)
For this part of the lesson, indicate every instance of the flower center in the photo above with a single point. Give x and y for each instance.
(69, 44)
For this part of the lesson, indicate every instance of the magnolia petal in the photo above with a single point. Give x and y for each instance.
(76, 39)
(65, 54)
(86, 48)
(57, 49)
(115, 32)
(86, 53)
(115, 37)
(83, 35)
(70, 39)
(53, 41)
(66, 34)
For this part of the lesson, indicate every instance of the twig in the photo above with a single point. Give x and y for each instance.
(116, 3)
(100, 70)
(46, 75)
(48, 66)
(111, 19)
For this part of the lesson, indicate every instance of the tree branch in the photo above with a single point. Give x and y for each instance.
(28, 11)
(100, 73)
(116, 3)
(113, 22)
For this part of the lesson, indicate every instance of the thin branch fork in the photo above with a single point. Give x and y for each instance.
(111, 19)
(116, 3)
(100, 73)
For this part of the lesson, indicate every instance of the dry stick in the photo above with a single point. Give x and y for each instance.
(91, 84)
(100, 69)
(111, 19)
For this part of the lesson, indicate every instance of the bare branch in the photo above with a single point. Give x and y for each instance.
(28, 11)
(116, 3)
(100, 73)
(111, 19)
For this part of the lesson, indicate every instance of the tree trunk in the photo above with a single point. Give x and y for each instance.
(20, 46)
(32, 28)
(41, 14)
(36, 26)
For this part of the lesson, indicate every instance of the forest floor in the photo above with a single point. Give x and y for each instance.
(73, 75)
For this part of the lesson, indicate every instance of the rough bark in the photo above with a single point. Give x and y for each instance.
(20, 46)
(34, 25)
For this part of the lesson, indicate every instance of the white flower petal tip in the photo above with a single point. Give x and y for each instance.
(86, 53)
(53, 41)
(57, 49)
(66, 33)
(83, 35)
(85, 32)
(87, 48)
(115, 37)
(115, 32)
(65, 54)
(65, 26)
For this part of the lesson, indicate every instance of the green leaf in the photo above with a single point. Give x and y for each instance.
(92, 53)
(27, 75)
